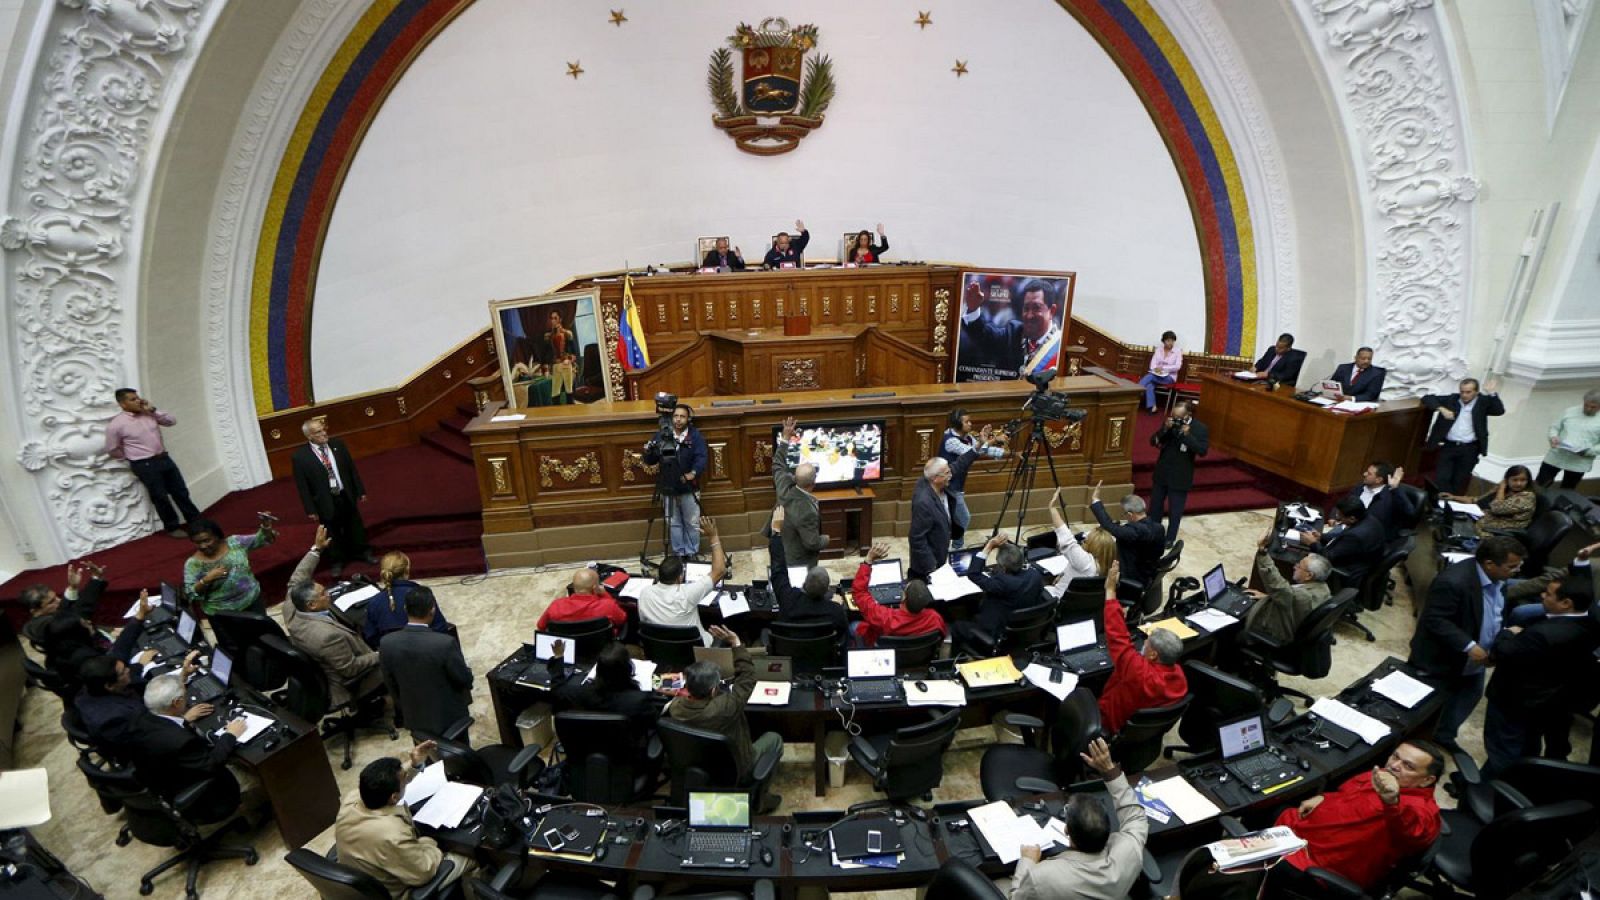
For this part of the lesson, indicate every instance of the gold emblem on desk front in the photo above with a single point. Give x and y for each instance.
(633, 463)
(1071, 436)
(500, 474)
(798, 375)
(924, 443)
(719, 464)
(763, 458)
(941, 314)
(1114, 434)
(774, 107)
(569, 470)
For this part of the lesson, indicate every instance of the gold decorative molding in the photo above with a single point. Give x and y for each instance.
(1115, 424)
(850, 307)
(916, 302)
(924, 444)
(735, 367)
(763, 455)
(872, 306)
(1072, 436)
(661, 314)
(608, 319)
(894, 303)
(711, 310)
(721, 371)
(827, 306)
(275, 434)
(719, 465)
(401, 403)
(733, 310)
(805, 306)
(472, 360)
(569, 472)
(684, 315)
(633, 463)
(798, 375)
(755, 308)
(941, 315)
(370, 412)
(500, 475)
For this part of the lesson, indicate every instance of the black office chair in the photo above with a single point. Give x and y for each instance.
(602, 764)
(588, 636)
(63, 687)
(1025, 630)
(1198, 879)
(700, 760)
(239, 635)
(670, 647)
(912, 652)
(1515, 847)
(1216, 696)
(1375, 589)
(1541, 537)
(488, 766)
(1151, 594)
(813, 645)
(762, 889)
(1085, 598)
(1009, 771)
(1410, 506)
(958, 880)
(907, 762)
(1539, 781)
(334, 881)
(159, 822)
(1308, 654)
(308, 696)
(1138, 744)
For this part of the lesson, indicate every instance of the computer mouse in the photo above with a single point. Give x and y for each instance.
(600, 852)
(1305, 765)
(766, 856)
(921, 685)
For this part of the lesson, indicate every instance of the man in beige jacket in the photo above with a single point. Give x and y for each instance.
(1102, 864)
(375, 834)
(351, 666)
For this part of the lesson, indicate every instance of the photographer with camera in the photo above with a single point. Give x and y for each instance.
(1180, 440)
(958, 439)
(681, 453)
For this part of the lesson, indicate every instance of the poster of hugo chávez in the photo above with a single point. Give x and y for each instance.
(1011, 324)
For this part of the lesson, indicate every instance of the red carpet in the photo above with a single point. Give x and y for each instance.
(421, 500)
(1221, 483)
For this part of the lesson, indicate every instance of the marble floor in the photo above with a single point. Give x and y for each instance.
(496, 612)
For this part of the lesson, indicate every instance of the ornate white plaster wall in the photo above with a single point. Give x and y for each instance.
(489, 174)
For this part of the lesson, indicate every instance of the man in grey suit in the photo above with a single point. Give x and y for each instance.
(802, 517)
(425, 671)
(1101, 865)
(314, 628)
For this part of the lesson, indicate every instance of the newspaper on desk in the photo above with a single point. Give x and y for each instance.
(1366, 727)
(348, 600)
(1178, 795)
(1261, 846)
(1402, 689)
(1007, 833)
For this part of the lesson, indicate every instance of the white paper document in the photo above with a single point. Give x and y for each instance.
(644, 672)
(961, 586)
(1291, 535)
(1181, 797)
(998, 824)
(1301, 512)
(1471, 509)
(349, 599)
(1055, 565)
(426, 784)
(1039, 677)
(449, 805)
(797, 576)
(1323, 401)
(1073, 635)
(1212, 620)
(732, 603)
(940, 692)
(1370, 730)
(509, 417)
(1402, 688)
(1246, 375)
(1450, 557)
(634, 589)
(1355, 406)
(253, 725)
(24, 798)
(770, 693)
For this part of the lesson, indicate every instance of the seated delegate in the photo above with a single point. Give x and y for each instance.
(1281, 363)
(671, 600)
(911, 618)
(788, 253)
(1354, 546)
(862, 251)
(1101, 863)
(1089, 559)
(375, 834)
(1144, 679)
(723, 259)
(1509, 506)
(1139, 540)
(1360, 380)
(1164, 365)
(588, 600)
(42, 603)
(1011, 585)
(1284, 604)
(710, 707)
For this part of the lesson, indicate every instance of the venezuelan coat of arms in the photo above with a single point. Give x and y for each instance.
(782, 94)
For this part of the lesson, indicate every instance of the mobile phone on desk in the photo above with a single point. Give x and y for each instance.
(553, 839)
(874, 841)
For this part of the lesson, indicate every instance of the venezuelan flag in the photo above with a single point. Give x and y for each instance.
(632, 351)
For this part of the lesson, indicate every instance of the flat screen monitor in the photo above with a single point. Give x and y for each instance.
(169, 596)
(719, 809)
(844, 451)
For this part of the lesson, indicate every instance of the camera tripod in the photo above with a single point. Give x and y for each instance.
(1023, 475)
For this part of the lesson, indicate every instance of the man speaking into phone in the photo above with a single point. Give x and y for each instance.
(330, 490)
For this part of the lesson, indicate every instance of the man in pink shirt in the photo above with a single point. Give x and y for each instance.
(134, 435)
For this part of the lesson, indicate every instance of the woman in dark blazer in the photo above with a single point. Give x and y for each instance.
(863, 252)
(387, 611)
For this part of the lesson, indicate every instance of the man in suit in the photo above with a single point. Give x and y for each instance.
(1011, 586)
(315, 629)
(1281, 363)
(1538, 670)
(1458, 625)
(1180, 441)
(1360, 380)
(812, 600)
(424, 670)
(1379, 493)
(1139, 539)
(330, 489)
(931, 516)
(787, 253)
(1461, 430)
(1102, 864)
(1355, 547)
(80, 600)
(1029, 344)
(722, 259)
(170, 755)
(802, 534)
(375, 834)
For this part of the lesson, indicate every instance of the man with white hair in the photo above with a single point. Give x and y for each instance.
(931, 516)
(330, 489)
(170, 755)
(1140, 679)
(802, 517)
(1139, 540)
(1284, 605)
(1574, 443)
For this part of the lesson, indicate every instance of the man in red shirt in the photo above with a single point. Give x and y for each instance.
(911, 619)
(1139, 680)
(1374, 820)
(587, 601)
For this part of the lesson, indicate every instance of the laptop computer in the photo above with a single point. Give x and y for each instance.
(718, 836)
(1081, 644)
(774, 668)
(1248, 756)
(175, 644)
(722, 656)
(871, 675)
(887, 582)
(1222, 596)
(543, 649)
(213, 684)
(961, 560)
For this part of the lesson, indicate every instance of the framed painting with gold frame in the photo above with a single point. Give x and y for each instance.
(550, 348)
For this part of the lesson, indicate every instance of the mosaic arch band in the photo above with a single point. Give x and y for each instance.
(1011, 324)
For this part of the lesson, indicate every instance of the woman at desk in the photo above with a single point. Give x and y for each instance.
(863, 252)
(1164, 365)
(217, 575)
(1509, 506)
(1090, 559)
(387, 611)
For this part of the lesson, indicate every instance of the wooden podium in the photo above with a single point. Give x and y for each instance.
(846, 520)
(1302, 442)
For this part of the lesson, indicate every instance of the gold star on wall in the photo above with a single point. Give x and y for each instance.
(960, 68)
(924, 19)
(617, 18)
(574, 69)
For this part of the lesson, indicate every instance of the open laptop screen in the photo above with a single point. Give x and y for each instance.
(186, 626)
(719, 809)
(221, 667)
(886, 571)
(544, 647)
(1216, 582)
(1241, 736)
(870, 664)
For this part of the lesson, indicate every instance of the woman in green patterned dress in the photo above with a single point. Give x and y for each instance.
(218, 575)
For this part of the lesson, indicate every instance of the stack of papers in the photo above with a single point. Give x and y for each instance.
(1253, 848)
(634, 589)
(644, 672)
(449, 805)
(1354, 406)
(24, 798)
(1471, 509)
(945, 584)
(1369, 729)
(1178, 795)
(732, 603)
(1007, 833)
(770, 693)
(509, 417)
(253, 725)
(1039, 677)
(1172, 624)
(349, 599)
(1212, 620)
(989, 672)
(1402, 688)
(943, 692)
(425, 785)
(1055, 565)
(1323, 401)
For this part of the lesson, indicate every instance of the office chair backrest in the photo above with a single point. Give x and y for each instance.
(1215, 697)
(913, 763)
(670, 647)
(1545, 781)
(1077, 723)
(600, 755)
(812, 645)
(462, 763)
(1374, 586)
(958, 880)
(1085, 598)
(1519, 846)
(1311, 654)
(63, 687)
(239, 635)
(309, 696)
(698, 760)
(1410, 504)
(913, 651)
(1198, 879)
(1544, 533)
(1027, 627)
(334, 881)
(588, 636)
(1138, 744)
(149, 818)
(1154, 593)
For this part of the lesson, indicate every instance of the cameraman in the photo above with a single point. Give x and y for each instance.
(681, 453)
